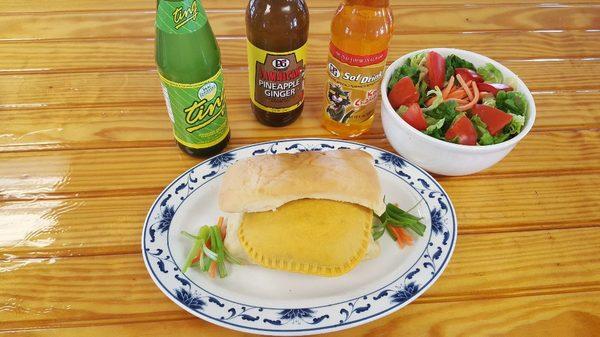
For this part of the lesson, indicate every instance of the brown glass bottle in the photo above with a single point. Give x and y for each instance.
(277, 32)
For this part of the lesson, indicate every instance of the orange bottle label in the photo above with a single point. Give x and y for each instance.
(353, 85)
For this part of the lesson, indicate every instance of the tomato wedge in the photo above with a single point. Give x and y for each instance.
(436, 70)
(493, 88)
(403, 92)
(495, 119)
(468, 75)
(414, 116)
(463, 130)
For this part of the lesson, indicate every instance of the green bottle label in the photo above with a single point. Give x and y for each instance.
(197, 111)
(180, 17)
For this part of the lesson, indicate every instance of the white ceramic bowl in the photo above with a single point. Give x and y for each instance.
(442, 157)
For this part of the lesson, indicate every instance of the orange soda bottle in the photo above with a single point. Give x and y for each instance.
(360, 35)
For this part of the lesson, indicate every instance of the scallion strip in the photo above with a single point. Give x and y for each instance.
(206, 261)
(396, 212)
(231, 258)
(216, 234)
(209, 252)
(189, 236)
(389, 230)
(199, 242)
(377, 234)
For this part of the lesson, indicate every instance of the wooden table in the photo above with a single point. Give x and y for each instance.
(85, 146)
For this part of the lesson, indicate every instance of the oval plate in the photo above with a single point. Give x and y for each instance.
(258, 300)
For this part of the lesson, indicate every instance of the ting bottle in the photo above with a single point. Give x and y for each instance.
(189, 66)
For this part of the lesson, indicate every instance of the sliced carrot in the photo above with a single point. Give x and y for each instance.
(448, 87)
(429, 102)
(460, 93)
(199, 256)
(405, 237)
(399, 237)
(201, 252)
(395, 235)
(465, 86)
(223, 230)
(473, 101)
(212, 270)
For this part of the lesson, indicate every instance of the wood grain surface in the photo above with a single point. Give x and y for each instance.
(81, 112)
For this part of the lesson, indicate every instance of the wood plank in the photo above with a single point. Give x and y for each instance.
(554, 262)
(565, 315)
(109, 225)
(92, 223)
(94, 55)
(127, 125)
(109, 171)
(102, 88)
(73, 227)
(61, 25)
(43, 6)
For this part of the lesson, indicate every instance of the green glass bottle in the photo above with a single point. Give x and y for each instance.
(189, 67)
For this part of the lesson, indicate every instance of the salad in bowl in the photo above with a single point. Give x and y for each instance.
(451, 99)
(453, 111)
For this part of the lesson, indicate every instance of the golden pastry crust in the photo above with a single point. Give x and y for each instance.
(318, 237)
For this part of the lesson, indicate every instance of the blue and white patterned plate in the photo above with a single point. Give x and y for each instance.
(258, 300)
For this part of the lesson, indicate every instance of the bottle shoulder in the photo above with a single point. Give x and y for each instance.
(277, 26)
(187, 58)
(362, 30)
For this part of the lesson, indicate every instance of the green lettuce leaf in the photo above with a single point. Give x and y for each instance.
(438, 98)
(412, 68)
(489, 101)
(490, 73)
(512, 102)
(516, 125)
(401, 110)
(484, 137)
(446, 111)
(422, 89)
(435, 128)
(417, 60)
(453, 62)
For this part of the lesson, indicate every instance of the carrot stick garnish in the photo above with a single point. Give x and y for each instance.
(198, 257)
(429, 102)
(460, 93)
(400, 238)
(473, 102)
(212, 270)
(223, 230)
(465, 86)
(405, 237)
(448, 87)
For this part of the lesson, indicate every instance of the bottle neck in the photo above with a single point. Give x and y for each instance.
(368, 3)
